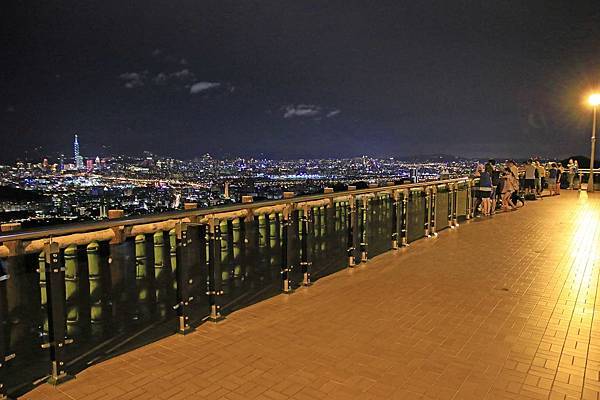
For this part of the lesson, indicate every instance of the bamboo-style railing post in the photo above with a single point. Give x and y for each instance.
(96, 287)
(72, 290)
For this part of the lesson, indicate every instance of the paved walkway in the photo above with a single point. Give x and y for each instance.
(500, 308)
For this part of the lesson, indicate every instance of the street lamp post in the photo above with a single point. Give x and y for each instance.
(594, 101)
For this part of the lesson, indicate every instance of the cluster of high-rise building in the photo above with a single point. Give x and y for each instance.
(53, 190)
(67, 164)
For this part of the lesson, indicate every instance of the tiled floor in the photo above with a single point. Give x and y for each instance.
(500, 308)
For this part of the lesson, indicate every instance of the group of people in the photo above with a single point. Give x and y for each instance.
(497, 183)
(538, 175)
(572, 171)
(500, 184)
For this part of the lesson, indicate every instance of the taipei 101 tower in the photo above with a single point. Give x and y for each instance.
(76, 156)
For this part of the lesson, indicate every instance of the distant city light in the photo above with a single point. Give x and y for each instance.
(62, 189)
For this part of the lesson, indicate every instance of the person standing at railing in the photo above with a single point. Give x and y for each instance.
(577, 173)
(559, 174)
(552, 173)
(539, 178)
(497, 183)
(530, 177)
(485, 191)
(571, 173)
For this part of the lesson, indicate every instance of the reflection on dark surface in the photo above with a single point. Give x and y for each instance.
(416, 215)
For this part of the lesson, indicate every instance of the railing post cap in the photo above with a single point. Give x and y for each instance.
(12, 226)
(288, 195)
(328, 190)
(247, 199)
(190, 206)
(114, 214)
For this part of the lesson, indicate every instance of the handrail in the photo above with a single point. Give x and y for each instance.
(60, 230)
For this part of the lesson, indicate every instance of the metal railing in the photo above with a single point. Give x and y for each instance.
(580, 178)
(73, 295)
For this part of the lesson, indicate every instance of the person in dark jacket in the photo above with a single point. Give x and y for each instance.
(485, 190)
(497, 183)
(552, 177)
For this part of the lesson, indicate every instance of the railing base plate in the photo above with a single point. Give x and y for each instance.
(185, 331)
(60, 379)
(216, 319)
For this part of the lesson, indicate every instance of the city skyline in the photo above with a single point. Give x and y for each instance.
(38, 154)
(289, 80)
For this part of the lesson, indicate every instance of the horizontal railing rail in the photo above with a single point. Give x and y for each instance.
(587, 170)
(67, 229)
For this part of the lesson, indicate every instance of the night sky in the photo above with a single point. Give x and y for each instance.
(298, 78)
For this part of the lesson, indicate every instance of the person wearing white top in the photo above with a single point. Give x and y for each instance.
(539, 179)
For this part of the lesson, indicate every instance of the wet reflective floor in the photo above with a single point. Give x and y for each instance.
(502, 307)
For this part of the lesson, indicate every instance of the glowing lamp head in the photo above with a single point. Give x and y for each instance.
(594, 99)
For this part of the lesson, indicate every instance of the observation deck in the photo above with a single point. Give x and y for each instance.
(362, 294)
